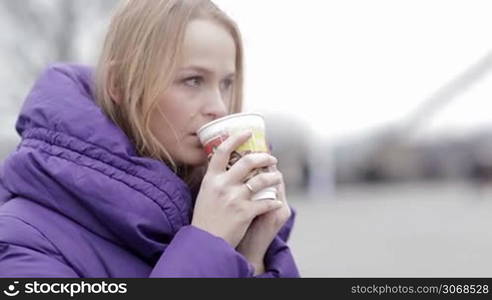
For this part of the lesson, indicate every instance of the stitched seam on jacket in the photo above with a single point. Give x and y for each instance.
(65, 156)
(36, 135)
(105, 238)
(52, 142)
(99, 171)
(56, 250)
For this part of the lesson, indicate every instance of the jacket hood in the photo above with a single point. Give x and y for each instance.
(74, 160)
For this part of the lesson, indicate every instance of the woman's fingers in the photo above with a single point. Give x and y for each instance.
(244, 166)
(221, 156)
(263, 206)
(281, 188)
(264, 180)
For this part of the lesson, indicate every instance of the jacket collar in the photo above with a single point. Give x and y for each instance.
(74, 160)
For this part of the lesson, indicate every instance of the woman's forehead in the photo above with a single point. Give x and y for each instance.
(206, 44)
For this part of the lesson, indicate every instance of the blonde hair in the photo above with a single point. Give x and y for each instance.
(139, 60)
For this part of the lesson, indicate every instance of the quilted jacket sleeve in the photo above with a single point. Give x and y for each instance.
(24, 252)
(20, 261)
(197, 253)
(191, 253)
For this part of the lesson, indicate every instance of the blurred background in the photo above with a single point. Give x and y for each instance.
(379, 112)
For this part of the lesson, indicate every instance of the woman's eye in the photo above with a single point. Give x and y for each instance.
(194, 81)
(227, 83)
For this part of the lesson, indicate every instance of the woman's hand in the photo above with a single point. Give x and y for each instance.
(264, 228)
(223, 206)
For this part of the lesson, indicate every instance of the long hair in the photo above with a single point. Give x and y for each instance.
(139, 62)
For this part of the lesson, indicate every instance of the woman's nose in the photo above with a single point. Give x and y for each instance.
(216, 106)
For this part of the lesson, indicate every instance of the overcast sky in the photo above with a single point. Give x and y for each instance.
(348, 65)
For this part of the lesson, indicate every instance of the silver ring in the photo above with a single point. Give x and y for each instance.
(249, 187)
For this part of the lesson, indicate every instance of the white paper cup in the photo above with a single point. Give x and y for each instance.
(212, 134)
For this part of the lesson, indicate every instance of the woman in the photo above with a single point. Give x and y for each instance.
(110, 179)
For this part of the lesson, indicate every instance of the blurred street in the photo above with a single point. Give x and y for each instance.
(406, 230)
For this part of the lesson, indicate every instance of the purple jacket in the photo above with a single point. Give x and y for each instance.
(77, 201)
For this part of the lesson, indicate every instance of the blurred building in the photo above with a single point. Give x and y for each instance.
(290, 140)
(467, 157)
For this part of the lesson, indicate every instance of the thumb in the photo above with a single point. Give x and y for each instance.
(263, 206)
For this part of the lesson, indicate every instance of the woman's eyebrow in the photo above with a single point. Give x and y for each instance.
(197, 69)
(205, 70)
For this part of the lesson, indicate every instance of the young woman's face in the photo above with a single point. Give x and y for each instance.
(200, 93)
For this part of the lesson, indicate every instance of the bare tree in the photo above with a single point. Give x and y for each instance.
(41, 32)
(47, 31)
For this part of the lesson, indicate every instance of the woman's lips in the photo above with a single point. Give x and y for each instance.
(195, 137)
